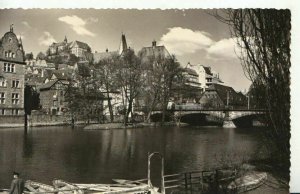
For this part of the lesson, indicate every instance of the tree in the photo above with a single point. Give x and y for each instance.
(29, 56)
(106, 77)
(263, 36)
(72, 59)
(41, 56)
(171, 70)
(129, 78)
(83, 94)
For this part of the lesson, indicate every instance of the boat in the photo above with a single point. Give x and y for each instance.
(247, 182)
(37, 187)
(121, 186)
(66, 187)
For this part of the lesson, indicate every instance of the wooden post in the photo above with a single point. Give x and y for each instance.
(25, 123)
(185, 181)
(162, 176)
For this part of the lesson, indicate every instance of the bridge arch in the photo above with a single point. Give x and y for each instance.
(249, 120)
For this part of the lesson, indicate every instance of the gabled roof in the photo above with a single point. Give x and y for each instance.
(154, 51)
(49, 84)
(81, 45)
(36, 80)
(190, 71)
(207, 70)
(223, 91)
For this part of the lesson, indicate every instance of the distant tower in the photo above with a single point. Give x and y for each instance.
(65, 40)
(21, 45)
(11, 28)
(123, 44)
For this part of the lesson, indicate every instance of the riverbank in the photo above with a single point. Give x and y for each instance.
(107, 126)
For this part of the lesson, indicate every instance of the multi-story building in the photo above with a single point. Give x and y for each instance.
(65, 48)
(52, 96)
(12, 74)
(206, 77)
(79, 49)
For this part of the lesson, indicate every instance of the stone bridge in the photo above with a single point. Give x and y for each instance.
(230, 118)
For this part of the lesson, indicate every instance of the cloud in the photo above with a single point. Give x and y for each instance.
(182, 41)
(46, 39)
(77, 24)
(25, 23)
(92, 20)
(223, 49)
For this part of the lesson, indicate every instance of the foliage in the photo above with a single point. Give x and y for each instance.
(31, 99)
(41, 56)
(104, 72)
(29, 56)
(263, 36)
(129, 77)
(72, 59)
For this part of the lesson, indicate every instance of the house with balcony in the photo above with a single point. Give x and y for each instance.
(206, 77)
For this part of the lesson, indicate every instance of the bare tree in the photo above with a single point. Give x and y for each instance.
(263, 36)
(171, 70)
(105, 74)
(129, 78)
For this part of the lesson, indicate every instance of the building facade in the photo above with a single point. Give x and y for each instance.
(52, 97)
(206, 77)
(79, 49)
(12, 74)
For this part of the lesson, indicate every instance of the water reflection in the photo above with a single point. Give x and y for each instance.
(99, 156)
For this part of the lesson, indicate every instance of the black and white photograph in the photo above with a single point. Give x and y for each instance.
(173, 101)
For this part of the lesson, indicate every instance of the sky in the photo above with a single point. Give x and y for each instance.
(192, 35)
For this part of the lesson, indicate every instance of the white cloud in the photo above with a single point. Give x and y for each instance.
(92, 20)
(182, 41)
(46, 39)
(223, 49)
(25, 23)
(77, 24)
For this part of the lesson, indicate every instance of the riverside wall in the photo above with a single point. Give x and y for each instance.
(33, 120)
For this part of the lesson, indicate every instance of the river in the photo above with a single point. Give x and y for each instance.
(97, 156)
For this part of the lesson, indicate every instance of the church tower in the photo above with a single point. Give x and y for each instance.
(123, 44)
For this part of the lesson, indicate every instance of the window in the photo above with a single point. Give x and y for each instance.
(2, 111)
(13, 55)
(15, 111)
(9, 67)
(6, 54)
(15, 98)
(12, 67)
(2, 98)
(3, 83)
(9, 53)
(15, 83)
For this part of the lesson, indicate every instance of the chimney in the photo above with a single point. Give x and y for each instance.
(106, 50)
(154, 43)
